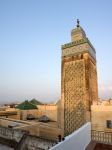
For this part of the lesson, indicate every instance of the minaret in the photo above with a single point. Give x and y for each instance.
(78, 81)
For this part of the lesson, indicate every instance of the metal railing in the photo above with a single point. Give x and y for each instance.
(102, 136)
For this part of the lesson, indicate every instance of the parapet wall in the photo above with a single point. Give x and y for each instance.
(25, 141)
(36, 143)
(11, 134)
(48, 130)
(48, 110)
(78, 140)
(75, 141)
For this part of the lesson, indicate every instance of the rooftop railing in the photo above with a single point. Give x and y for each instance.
(102, 136)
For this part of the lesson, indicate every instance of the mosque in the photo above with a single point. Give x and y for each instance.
(78, 106)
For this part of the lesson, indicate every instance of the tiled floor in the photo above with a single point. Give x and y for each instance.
(98, 146)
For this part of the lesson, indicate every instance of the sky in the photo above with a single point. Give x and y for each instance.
(31, 35)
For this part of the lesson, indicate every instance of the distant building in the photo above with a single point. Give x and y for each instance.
(35, 102)
(26, 105)
(101, 116)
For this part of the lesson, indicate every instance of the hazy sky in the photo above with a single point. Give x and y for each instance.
(31, 35)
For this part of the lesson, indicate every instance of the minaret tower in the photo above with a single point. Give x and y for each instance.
(78, 81)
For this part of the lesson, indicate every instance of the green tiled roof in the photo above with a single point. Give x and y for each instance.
(78, 42)
(26, 105)
(35, 102)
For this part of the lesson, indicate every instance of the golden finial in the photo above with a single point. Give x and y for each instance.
(78, 23)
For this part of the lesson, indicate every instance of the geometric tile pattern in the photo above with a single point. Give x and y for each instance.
(74, 88)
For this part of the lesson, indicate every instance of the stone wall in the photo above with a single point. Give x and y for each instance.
(25, 141)
(9, 122)
(11, 134)
(25, 113)
(99, 115)
(48, 130)
(42, 130)
(48, 110)
(10, 113)
(36, 143)
(33, 129)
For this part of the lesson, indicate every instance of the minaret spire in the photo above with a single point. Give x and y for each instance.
(78, 23)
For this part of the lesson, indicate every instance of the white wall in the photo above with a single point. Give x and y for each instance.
(78, 140)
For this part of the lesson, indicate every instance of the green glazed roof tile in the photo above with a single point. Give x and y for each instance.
(26, 105)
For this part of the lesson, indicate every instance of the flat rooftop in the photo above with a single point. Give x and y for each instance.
(3, 147)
